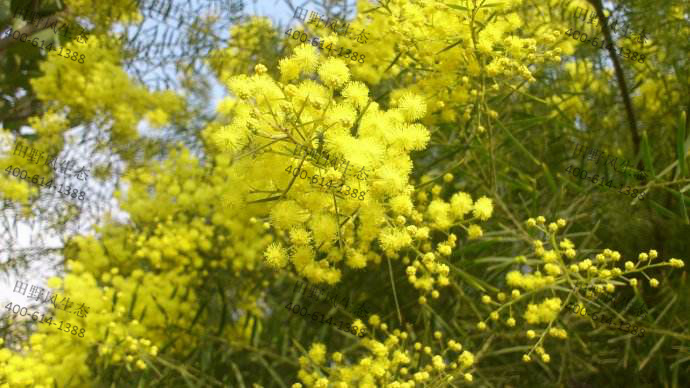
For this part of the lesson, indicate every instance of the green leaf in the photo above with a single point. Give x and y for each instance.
(681, 198)
(238, 375)
(460, 7)
(488, 5)
(680, 145)
(450, 47)
(662, 210)
(647, 154)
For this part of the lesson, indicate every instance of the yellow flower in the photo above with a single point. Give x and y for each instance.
(474, 232)
(483, 208)
(460, 204)
(566, 244)
(356, 93)
(288, 214)
(676, 263)
(276, 255)
(318, 353)
(439, 213)
(413, 106)
(654, 283)
(545, 312)
(299, 236)
(334, 72)
(550, 256)
(305, 57)
(466, 359)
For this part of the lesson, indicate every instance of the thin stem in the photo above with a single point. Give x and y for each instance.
(395, 294)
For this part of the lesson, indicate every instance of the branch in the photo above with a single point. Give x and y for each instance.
(620, 77)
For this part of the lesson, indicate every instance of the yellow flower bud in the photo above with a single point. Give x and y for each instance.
(531, 334)
(526, 358)
(260, 69)
(629, 266)
(654, 283)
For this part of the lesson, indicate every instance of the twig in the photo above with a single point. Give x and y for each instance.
(395, 294)
(620, 77)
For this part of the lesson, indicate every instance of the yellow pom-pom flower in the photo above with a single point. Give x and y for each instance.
(483, 208)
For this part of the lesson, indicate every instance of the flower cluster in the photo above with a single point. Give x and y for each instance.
(396, 361)
(554, 263)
